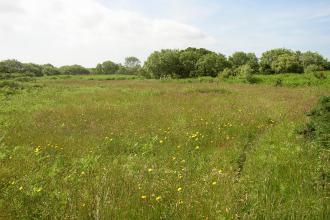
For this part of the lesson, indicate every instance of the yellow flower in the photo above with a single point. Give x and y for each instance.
(220, 171)
(161, 141)
(37, 150)
(37, 189)
(179, 189)
(82, 173)
(173, 158)
(149, 170)
(143, 197)
(180, 202)
(214, 183)
(158, 198)
(197, 147)
(21, 188)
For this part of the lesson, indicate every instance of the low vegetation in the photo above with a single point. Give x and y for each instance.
(187, 63)
(106, 147)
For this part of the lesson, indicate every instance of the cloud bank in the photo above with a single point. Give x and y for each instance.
(86, 32)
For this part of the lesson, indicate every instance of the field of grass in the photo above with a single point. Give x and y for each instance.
(77, 148)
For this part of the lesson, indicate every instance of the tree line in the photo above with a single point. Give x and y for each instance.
(190, 62)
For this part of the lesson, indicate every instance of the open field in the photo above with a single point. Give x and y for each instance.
(73, 148)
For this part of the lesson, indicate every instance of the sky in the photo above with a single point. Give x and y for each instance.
(87, 32)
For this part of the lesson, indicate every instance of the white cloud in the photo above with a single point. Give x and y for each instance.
(86, 32)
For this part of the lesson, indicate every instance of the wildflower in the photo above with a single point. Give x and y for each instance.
(173, 158)
(20, 188)
(37, 189)
(82, 173)
(143, 197)
(161, 141)
(179, 189)
(149, 170)
(180, 202)
(197, 147)
(83, 205)
(158, 198)
(37, 150)
(178, 146)
(180, 176)
(220, 171)
(214, 183)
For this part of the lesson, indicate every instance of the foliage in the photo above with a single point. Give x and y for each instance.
(313, 68)
(227, 73)
(49, 70)
(107, 67)
(189, 58)
(73, 70)
(165, 63)
(211, 64)
(287, 63)
(318, 127)
(313, 59)
(240, 58)
(132, 62)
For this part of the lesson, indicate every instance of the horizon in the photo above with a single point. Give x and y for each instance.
(88, 32)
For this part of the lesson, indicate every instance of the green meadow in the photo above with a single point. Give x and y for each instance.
(123, 147)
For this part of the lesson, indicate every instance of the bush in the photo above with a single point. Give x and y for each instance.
(245, 71)
(318, 127)
(313, 68)
(252, 79)
(73, 70)
(320, 75)
(227, 73)
(278, 82)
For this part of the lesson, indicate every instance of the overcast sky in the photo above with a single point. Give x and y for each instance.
(90, 31)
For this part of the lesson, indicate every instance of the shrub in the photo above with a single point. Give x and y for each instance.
(73, 70)
(245, 71)
(278, 82)
(320, 75)
(318, 127)
(227, 73)
(313, 68)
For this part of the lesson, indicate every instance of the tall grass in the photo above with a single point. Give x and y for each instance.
(99, 149)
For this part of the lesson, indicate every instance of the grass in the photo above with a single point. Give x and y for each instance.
(292, 80)
(78, 148)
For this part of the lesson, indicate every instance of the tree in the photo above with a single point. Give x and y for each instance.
(189, 58)
(268, 57)
(211, 64)
(11, 66)
(287, 63)
(165, 63)
(131, 66)
(132, 62)
(73, 70)
(49, 69)
(32, 69)
(239, 59)
(107, 67)
(313, 58)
